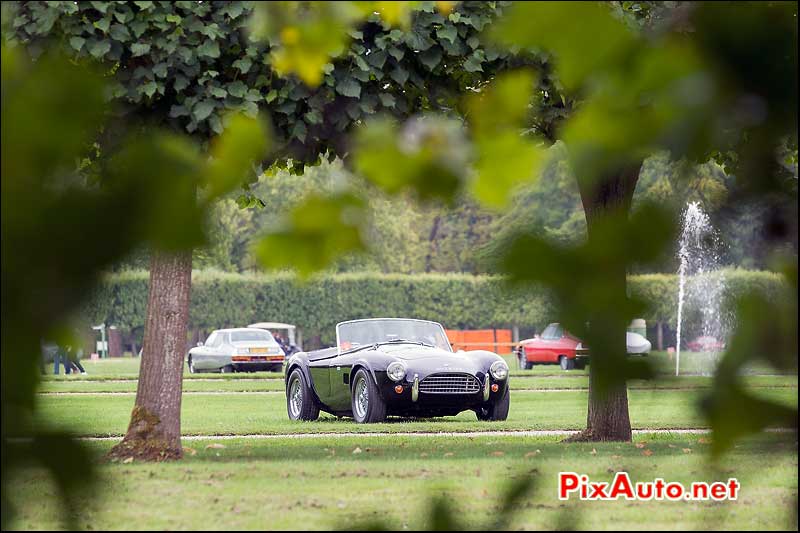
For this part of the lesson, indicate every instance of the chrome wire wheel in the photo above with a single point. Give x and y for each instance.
(295, 398)
(362, 399)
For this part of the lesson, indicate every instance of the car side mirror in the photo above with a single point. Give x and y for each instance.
(200, 343)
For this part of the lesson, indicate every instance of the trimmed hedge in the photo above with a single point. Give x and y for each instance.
(459, 301)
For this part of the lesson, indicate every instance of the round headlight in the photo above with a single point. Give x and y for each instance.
(499, 370)
(396, 371)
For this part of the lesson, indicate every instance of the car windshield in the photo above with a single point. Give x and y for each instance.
(365, 332)
(253, 335)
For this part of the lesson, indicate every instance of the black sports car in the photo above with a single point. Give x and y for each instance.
(395, 366)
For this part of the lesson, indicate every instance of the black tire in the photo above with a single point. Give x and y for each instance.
(227, 369)
(580, 364)
(566, 363)
(365, 400)
(496, 411)
(522, 362)
(303, 406)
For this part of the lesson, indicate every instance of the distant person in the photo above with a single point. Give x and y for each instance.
(74, 360)
(60, 358)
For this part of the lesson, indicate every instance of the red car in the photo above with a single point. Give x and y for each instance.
(554, 346)
(705, 344)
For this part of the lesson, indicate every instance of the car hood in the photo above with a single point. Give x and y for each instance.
(428, 360)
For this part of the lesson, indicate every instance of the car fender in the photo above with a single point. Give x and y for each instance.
(299, 360)
(363, 363)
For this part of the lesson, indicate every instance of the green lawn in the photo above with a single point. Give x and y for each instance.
(321, 483)
(245, 383)
(243, 413)
(128, 368)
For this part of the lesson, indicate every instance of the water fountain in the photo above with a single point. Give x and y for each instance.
(701, 285)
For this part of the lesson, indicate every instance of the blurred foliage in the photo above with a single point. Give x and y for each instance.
(766, 329)
(429, 155)
(60, 196)
(316, 231)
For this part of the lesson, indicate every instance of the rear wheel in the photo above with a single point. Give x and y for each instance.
(366, 400)
(495, 411)
(300, 402)
(227, 369)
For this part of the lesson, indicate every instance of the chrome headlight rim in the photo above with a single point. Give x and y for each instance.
(499, 370)
(396, 371)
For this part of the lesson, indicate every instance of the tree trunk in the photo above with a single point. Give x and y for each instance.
(608, 418)
(154, 433)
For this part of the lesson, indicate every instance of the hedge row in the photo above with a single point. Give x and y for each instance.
(457, 301)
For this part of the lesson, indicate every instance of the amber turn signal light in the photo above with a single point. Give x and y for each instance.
(494, 387)
(398, 389)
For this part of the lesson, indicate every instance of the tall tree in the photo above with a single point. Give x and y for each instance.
(184, 65)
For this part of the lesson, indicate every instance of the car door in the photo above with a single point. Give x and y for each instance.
(201, 356)
(339, 370)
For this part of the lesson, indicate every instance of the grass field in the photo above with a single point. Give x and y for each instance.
(342, 482)
(343, 478)
(238, 413)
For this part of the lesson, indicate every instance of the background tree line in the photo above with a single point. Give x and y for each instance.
(410, 237)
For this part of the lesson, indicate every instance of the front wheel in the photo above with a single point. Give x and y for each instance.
(192, 370)
(496, 411)
(523, 362)
(367, 402)
(566, 363)
(300, 402)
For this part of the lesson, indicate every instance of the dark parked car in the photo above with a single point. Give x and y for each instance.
(395, 366)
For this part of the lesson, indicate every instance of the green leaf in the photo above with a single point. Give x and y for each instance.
(473, 64)
(149, 88)
(271, 95)
(120, 33)
(209, 48)
(377, 58)
(387, 100)
(320, 229)
(397, 52)
(243, 64)
(203, 109)
(102, 24)
(313, 116)
(244, 142)
(568, 30)
(237, 89)
(178, 111)
(76, 42)
(504, 161)
(140, 49)
(431, 57)
(99, 48)
(218, 92)
(348, 87)
(399, 74)
(160, 70)
(448, 32)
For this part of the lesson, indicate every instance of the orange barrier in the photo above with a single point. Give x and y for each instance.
(493, 340)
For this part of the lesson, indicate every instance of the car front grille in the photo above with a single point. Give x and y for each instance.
(449, 384)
